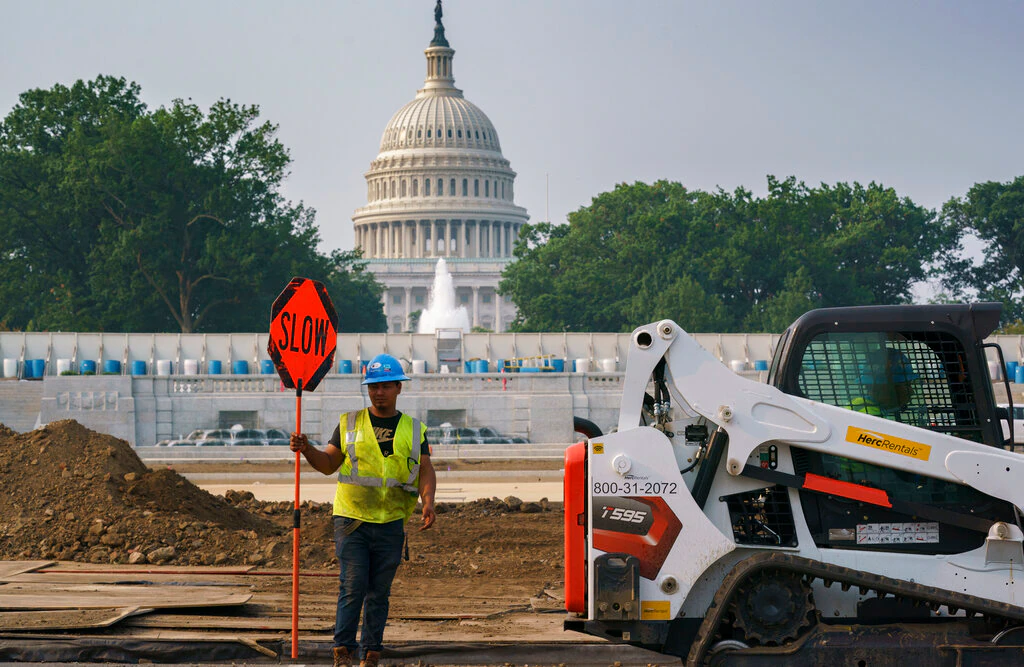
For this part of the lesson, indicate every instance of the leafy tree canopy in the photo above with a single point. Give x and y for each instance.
(720, 261)
(115, 217)
(993, 213)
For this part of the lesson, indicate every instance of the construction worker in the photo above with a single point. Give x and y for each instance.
(383, 462)
(890, 386)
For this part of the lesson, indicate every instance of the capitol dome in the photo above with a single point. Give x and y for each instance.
(440, 187)
(440, 121)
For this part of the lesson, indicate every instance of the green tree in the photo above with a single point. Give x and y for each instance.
(720, 261)
(174, 217)
(47, 234)
(994, 213)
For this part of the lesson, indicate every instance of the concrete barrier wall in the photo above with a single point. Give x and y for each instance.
(147, 409)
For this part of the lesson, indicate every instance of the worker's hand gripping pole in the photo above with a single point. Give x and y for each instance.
(296, 523)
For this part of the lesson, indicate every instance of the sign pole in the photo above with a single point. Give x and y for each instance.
(296, 523)
(303, 340)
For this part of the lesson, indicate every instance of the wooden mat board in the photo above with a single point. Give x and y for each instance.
(72, 566)
(64, 619)
(183, 621)
(92, 596)
(140, 578)
(9, 568)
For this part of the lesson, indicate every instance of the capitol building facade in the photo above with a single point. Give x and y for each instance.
(440, 188)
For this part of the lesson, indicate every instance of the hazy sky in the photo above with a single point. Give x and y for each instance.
(925, 97)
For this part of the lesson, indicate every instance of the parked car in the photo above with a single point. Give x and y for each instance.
(233, 437)
(447, 434)
(1018, 423)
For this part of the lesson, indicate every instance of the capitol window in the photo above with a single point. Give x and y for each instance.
(449, 133)
(460, 134)
(440, 187)
(477, 133)
(451, 187)
(465, 187)
(428, 133)
(476, 187)
(419, 134)
(403, 187)
(426, 185)
(487, 188)
(415, 187)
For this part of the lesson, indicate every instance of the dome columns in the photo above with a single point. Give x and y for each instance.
(437, 237)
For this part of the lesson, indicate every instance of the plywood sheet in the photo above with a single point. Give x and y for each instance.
(51, 577)
(181, 621)
(64, 619)
(9, 568)
(94, 596)
(71, 566)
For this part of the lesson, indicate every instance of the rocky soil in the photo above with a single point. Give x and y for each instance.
(69, 493)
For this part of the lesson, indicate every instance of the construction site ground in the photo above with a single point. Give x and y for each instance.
(105, 559)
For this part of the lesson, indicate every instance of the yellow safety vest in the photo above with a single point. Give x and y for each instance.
(371, 487)
(867, 406)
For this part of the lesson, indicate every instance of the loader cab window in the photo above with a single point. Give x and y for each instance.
(916, 378)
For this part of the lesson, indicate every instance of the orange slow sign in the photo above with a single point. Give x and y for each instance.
(303, 333)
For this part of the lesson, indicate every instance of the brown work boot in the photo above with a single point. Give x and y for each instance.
(371, 659)
(342, 658)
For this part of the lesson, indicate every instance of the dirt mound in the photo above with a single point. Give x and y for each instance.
(70, 493)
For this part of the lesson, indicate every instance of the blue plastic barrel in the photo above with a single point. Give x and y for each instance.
(761, 365)
(138, 367)
(111, 366)
(240, 367)
(481, 365)
(345, 366)
(34, 368)
(1019, 375)
(87, 366)
(214, 367)
(266, 367)
(558, 365)
(1011, 371)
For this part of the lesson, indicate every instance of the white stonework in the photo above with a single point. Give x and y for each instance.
(440, 187)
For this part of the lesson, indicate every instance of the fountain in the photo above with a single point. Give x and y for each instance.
(441, 311)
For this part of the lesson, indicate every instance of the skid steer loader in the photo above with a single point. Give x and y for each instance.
(859, 508)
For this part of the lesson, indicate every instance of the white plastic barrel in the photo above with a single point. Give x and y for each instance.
(10, 368)
(583, 365)
(191, 366)
(419, 366)
(163, 366)
(608, 365)
(737, 365)
(63, 365)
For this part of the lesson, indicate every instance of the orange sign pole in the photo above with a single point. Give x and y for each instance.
(296, 530)
(303, 339)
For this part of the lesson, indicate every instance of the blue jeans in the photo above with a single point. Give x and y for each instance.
(367, 559)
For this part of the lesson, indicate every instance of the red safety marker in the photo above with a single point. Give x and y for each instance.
(303, 338)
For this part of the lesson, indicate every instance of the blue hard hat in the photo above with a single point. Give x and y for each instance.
(384, 368)
(894, 368)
